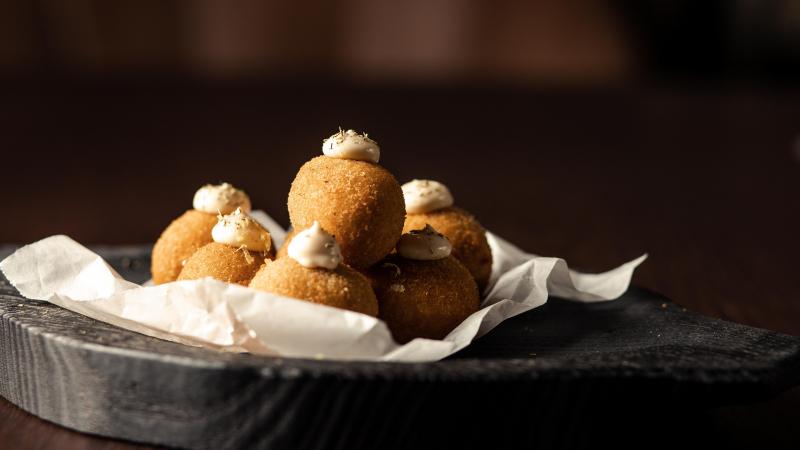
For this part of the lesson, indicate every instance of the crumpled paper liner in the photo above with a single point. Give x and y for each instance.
(218, 315)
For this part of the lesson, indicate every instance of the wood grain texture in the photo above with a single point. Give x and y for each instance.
(565, 357)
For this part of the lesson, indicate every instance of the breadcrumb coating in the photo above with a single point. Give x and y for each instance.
(184, 236)
(466, 235)
(224, 263)
(425, 299)
(358, 202)
(342, 287)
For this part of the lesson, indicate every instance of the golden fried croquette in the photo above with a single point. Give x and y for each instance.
(223, 262)
(284, 251)
(466, 235)
(178, 242)
(359, 202)
(342, 287)
(423, 299)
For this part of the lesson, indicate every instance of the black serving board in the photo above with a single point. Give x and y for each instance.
(566, 375)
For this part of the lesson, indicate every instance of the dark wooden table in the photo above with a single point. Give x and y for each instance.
(706, 181)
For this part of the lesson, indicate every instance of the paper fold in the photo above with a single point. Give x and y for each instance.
(224, 316)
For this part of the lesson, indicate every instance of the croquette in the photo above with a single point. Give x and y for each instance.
(359, 202)
(423, 299)
(184, 236)
(466, 235)
(223, 262)
(342, 287)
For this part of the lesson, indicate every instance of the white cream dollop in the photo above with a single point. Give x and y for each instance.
(426, 245)
(220, 199)
(241, 231)
(351, 145)
(424, 196)
(315, 248)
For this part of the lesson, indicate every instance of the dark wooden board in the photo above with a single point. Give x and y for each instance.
(563, 375)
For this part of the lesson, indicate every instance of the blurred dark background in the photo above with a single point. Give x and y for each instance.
(544, 42)
(592, 130)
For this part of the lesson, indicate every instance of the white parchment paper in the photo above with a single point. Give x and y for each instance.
(218, 315)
